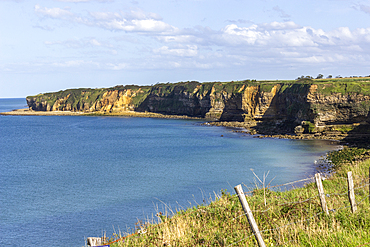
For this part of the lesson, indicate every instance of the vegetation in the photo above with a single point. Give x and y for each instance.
(348, 156)
(290, 218)
(343, 128)
(344, 86)
(76, 98)
(309, 127)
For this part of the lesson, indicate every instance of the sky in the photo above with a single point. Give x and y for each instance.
(52, 45)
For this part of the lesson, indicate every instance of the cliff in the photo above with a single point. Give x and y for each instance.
(312, 105)
(114, 99)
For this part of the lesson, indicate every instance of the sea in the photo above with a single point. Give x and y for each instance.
(66, 178)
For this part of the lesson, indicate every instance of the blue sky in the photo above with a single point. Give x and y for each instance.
(52, 45)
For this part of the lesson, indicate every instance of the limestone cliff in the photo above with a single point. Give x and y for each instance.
(114, 99)
(319, 102)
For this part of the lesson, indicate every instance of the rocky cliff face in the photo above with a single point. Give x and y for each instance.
(115, 99)
(177, 99)
(318, 102)
(338, 107)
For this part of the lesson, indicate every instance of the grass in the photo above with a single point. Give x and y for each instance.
(344, 86)
(290, 218)
(343, 128)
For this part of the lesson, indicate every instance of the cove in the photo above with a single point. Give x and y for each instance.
(64, 178)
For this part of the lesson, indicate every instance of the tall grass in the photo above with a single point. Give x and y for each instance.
(289, 218)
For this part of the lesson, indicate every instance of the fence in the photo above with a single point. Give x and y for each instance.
(321, 194)
(354, 186)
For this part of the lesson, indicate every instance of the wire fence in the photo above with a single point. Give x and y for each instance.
(362, 191)
(362, 184)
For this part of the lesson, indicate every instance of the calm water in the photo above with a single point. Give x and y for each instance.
(64, 178)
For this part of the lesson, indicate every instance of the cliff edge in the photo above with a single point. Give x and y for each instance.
(300, 106)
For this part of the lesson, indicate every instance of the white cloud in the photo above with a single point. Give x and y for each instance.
(80, 43)
(95, 42)
(272, 34)
(57, 13)
(183, 38)
(342, 34)
(133, 21)
(43, 27)
(72, 63)
(275, 34)
(239, 35)
(119, 66)
(264, 44)
(312, 59)
(275, 25)
(129, 16)
(363, 34)
(149, 25)
(141, 15)
(237, 44)
(105, 15)
(182, 51)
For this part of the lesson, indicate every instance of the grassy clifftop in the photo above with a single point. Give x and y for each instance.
(344, 86)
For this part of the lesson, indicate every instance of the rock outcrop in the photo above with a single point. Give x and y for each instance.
(115, 99)
(312, 105)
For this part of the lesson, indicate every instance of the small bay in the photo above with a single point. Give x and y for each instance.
(65, 178)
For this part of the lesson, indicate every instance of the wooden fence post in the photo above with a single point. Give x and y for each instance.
(248, 212)
(321, 193)
(351, 192)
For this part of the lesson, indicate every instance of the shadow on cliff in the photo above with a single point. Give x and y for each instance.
(272, 110)
(174, 104)
(287, 109)
(233, 109)
(359, 136)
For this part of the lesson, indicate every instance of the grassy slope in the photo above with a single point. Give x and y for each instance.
(295, 215)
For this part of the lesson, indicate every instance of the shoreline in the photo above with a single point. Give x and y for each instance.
(28, 112)
(350, 139)
(245, 128)
(249, 128)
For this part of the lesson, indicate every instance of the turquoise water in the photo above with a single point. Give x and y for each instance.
(64, 178)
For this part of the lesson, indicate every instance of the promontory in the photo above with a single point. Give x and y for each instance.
(321, 108)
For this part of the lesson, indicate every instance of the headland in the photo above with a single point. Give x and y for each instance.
(306, 108)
